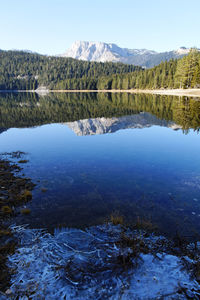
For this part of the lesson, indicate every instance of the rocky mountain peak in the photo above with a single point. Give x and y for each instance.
(103, 52)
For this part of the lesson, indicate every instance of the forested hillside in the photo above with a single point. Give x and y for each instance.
(182, 73)
(26, 71)
(22, 70)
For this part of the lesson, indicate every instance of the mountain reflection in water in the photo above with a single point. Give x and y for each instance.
(26, 110)
(151, 174)
(109, 125)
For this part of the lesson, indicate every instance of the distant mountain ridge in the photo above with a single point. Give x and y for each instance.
(104, 52)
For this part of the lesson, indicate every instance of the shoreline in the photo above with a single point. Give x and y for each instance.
(15, 193)
(121, 248)
(169, 92)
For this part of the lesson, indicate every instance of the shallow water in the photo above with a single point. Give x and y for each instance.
(76, 264)
(92, 155)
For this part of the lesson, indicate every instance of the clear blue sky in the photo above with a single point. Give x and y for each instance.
(51, 26)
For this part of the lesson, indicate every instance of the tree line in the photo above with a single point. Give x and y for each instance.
(22, 110)
(181, 73)
(21, 70)
(27, 71)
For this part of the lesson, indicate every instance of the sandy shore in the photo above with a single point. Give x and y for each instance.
(172, 92)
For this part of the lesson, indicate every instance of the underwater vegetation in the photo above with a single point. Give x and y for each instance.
(23, 161)
(25, 211)
(14, 192)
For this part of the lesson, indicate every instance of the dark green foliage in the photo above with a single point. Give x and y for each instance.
(182, 73)
(161, 76)
(188, 71)
(26, 71)
(22, 110)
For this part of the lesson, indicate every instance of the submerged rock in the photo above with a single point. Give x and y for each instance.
(103, 262)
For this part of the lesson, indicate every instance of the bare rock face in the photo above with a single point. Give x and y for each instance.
(92, 51)
(109, 125)
(104, 52)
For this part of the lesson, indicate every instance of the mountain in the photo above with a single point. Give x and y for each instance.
(103, 52)
(109, 125)
(20, 70)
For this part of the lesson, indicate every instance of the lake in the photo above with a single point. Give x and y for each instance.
(93, 155)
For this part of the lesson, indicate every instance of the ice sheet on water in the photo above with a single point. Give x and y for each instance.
(76, 264)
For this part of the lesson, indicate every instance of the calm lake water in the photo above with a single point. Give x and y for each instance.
(94, 154)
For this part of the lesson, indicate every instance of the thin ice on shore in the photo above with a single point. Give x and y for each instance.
(94, 264)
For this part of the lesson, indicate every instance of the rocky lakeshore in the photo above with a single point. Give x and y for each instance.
(112, 261)
(102, 262)
(15, 192)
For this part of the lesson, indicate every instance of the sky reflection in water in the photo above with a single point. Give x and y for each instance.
(152, 173)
